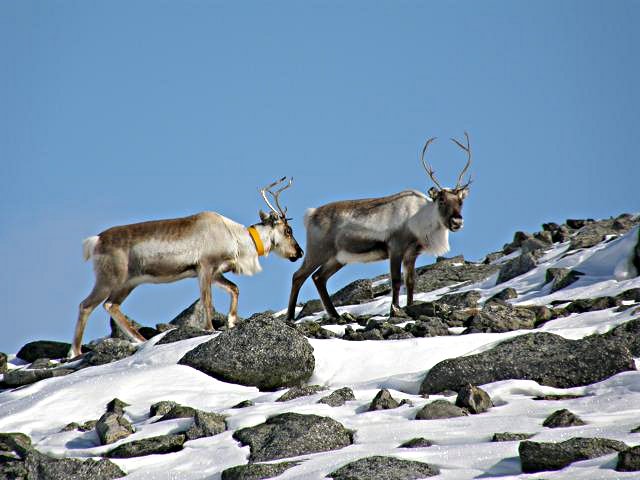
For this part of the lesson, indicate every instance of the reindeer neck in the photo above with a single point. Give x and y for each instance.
(261, 238)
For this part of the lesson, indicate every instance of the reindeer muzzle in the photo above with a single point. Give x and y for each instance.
(456, 223)
(299, 254)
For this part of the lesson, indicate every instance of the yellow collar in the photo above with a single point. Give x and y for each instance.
(256, 240)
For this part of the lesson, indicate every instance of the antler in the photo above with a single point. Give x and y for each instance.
(427, 166)
(280, 211)
(466, 167)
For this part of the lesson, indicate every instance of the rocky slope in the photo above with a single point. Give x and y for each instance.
(522, 363)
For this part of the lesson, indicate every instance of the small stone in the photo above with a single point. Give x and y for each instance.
(256, 471)
(474, 399)
(148, 446)
(179, 411)
(338, 397)
(516, 267)
(244, 404)
(511, 437)
(116, 406)
(112, 427)
(418, 442)
(440, 409)
(110, 350)
(297, 392)
(206, 424)
(563, 418)
(629, 460)
(161, 408)
(383, 401)
(561, 277)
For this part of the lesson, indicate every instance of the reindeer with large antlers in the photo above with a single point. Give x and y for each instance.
(205, 245)
(398, 227)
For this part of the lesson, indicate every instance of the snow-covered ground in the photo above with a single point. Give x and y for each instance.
(462, 447)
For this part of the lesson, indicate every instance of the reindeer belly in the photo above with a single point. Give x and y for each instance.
(362, 251)
(161, 262)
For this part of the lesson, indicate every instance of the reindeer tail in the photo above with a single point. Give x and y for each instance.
(88, 245)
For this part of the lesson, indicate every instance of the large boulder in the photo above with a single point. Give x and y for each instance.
(629, 460)
(540, 457)
(563, 418)
(112, 427)
(149, 446)
(499, 316)
(516, 267)
(256, 471)
(592, 233)
(43, 349)
(440, 409)
(384, 468)
(293, 434)
(561, 277)
(182, 333)
(473, 399)
(194, 316)
(261, 352)
(338, 397)
(543, 357)
(21, 377)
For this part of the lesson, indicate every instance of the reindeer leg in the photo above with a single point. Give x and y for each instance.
(320, 278)
(234, 291)
(112, 306)
(396, 282)
(88, 305)
(409, 265)
(297, 281)
(205, 277)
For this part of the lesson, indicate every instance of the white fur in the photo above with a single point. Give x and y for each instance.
(88, 246)
(427, 225)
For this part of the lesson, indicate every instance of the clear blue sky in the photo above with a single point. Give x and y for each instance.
(124, 111)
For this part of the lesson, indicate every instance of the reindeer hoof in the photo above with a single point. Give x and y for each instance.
(396, 311)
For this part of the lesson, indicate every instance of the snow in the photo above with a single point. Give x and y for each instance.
(462, 448)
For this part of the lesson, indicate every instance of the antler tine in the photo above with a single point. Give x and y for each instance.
(466, 167)
(426, 165)
(276, 196)
(264, 190)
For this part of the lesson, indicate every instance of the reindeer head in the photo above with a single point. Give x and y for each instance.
(281, 234)
(449, 200)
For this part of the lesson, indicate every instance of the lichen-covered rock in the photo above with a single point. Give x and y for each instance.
(418, 442)
(563, 418)
(511, 437)
(359, 291)
(179, 411)
(383, 401)
(468, 299)
(21, 377)
(427, 327)
(110, 350)
(148, 446)
(293, 434)
(43, 467)
(206, 424)
(314, 330)
(592, 304)
(116, 406)
(516, 267)
(261, 352)
(300, 391)
(543, 357)
(15, 442)
(112, 427)
(540, 457)
(257, 471)
(182, 333)
(629, 460)
(3, 362)
(561, 277)
(505, 294)
(194, 317)
(449, 271)
(499, 316)
(384, 468)
(338, 397)
(440, 409)
(627, 334)
(162, 407)
(43, 349)
(473, 399)
(244, 404)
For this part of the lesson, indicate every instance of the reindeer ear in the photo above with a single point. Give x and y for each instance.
(462, 194)
(433, 193)
(263, 216)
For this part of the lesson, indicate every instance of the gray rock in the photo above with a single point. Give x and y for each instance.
(450, 271)
(116, 406)
(41, 363)
(468, 299)
(540, 457)
(498, 316)
(110, 350)
(533, 245)
(492, 257)
(3, 363)
(293, 434)
(562, 418)
(206, 424)
(418, 442)
(194, 317)
(148, 446)
(302, 391)
(592, 304)
(359, 291)
(116, 331)
(314, 330)
(112, 427)
(384, 468)
(43, 349)
(439, 409)
(257, 471)
(427, 327)
(38, 466)
(182, 333)
(261, 352)
(506, 294)
(473, 399)
(577, 223)
(629, 460)
(244, 404)
(162, 408)
(15, 442)
(511, 437)
(338, 397)
(561, 278)
(554, 398)
(179, 411)
(544, 236)
(627, 335)
(636, 255)
(22, 377)
(543, 357)
(383, 401)
(82, 427)
(311, 307)
(516, 267)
